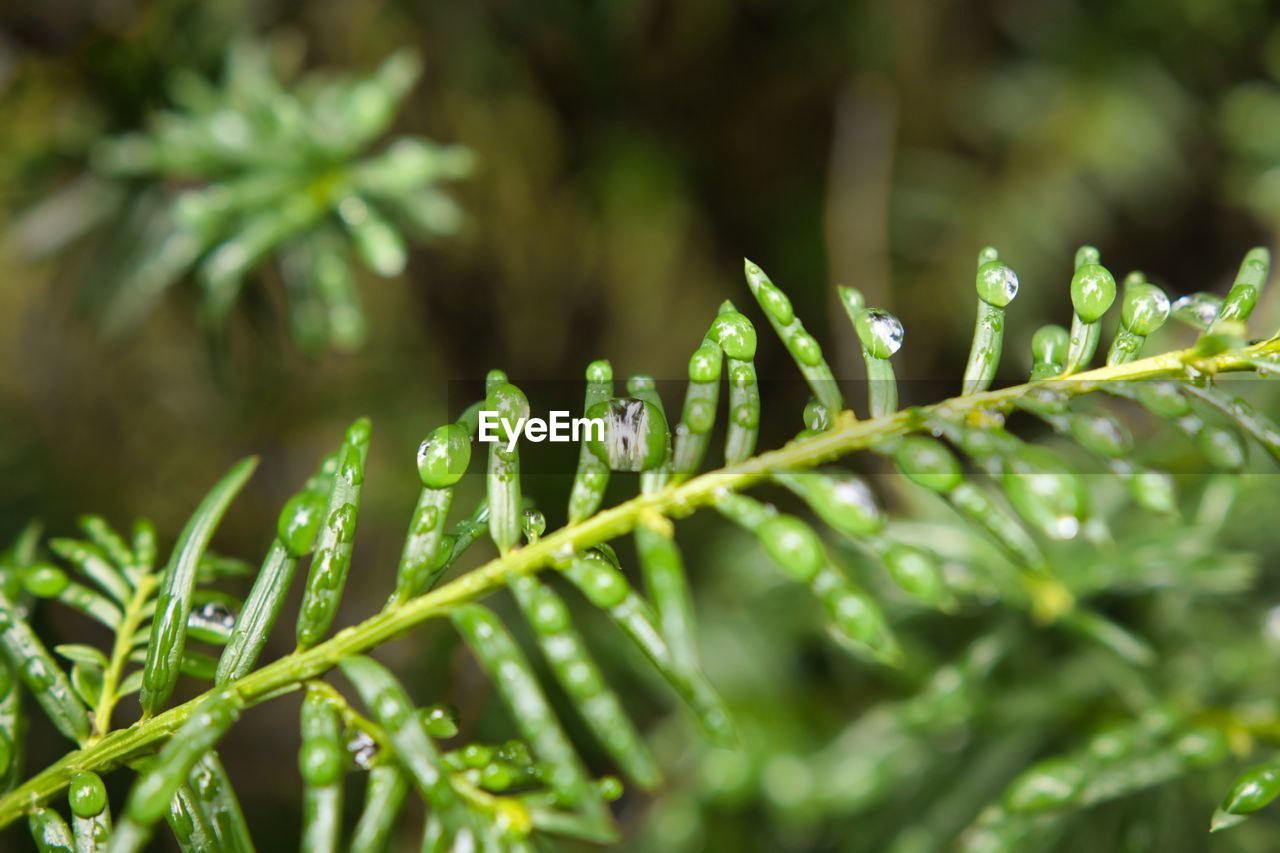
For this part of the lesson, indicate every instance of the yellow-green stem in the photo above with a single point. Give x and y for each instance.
(134, 612)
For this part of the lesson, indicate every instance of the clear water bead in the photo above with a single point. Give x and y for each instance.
(215, 614)
(881, 332)
(635, 434)
(1197, 309)
(363, 749)
(997, 284)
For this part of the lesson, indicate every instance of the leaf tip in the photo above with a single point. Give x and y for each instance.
(1224, 820)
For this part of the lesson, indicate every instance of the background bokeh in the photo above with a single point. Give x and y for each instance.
(631, 153)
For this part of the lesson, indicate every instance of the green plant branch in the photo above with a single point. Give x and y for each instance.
(847, 435)
(134, 613)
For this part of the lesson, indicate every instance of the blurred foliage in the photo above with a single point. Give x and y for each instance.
(264, 170)
(630, 154)
(839, 758)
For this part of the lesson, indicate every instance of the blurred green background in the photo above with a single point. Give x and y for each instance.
(631, 153)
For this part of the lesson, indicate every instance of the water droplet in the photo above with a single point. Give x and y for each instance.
(1093, 289)
(1164, 399)
(1045, 492)
(793, 546)
(299, 522)
(701, 416)
(805, 348)
(599, 372)
(816, 416)
(640, 383)
(441, 721)
(776, 303)
(704, 364)
(443, 456)
(1145, 309)
(206, 786)
(1047, 785)
(735, 334)
(880, 331)
(358, 432)
(550, 615)
(1197, 309)
(352, 470)
(1223, 447)
(584, 678)
(362, 748)
(635, 433)
(1066, 527)
(846, 502)
(997, 284)
(316, 608)
(534, 524)
(1272, 625)
(215, 614)
(929, 463)
(1048, 399)
(1102, 435)
(1049, 344)
(391, 709)
(342, 522)
(38, 676)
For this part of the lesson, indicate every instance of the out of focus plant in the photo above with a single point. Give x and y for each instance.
(1028, 556)
(259, 176)
(1249, 121)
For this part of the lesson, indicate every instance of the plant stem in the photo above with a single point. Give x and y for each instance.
(134, 612)
(351, 718)
(847, 435)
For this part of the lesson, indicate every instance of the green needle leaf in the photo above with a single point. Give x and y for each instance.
(442, 460)
(504, 464)
(211, 787)
(802, 346)
(333, 544)
(1251, 792)
(514, 680)
(322, 762)
(384, 797)
(173, 606)
(592, 476)
(155, 789)
(50, 831)
(40, 673)
(384, 696)
(91, 815)
(799, 552)
(1243, 295)
(997, 285)
(607, 588)
(192, 828)
(580, 677)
